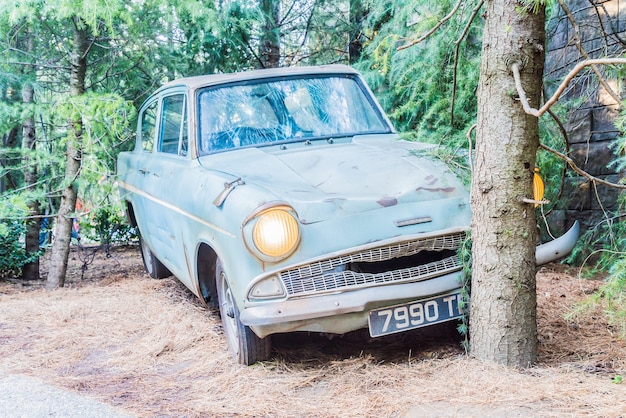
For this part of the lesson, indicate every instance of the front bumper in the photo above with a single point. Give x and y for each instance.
(339, 313)
(557, 248)
(345, 311)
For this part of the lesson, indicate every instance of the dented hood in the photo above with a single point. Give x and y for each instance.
(323, 179)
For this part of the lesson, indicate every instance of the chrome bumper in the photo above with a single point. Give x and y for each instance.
(322, 313)
(558, 248)
(347, 311)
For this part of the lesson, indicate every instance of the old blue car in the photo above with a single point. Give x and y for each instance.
(285, 198)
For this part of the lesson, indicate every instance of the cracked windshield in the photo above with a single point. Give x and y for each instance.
(285, 111)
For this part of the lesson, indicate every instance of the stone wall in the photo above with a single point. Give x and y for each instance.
(590, 121)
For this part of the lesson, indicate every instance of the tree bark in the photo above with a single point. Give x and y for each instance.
(357, 15)
(63, 227)
(270, 37)
(9, 141)
(503, 318)
(30, 271)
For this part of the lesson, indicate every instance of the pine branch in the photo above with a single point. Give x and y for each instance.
(434, 29)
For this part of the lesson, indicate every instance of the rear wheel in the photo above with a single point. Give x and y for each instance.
(243, 343)
(153, 266)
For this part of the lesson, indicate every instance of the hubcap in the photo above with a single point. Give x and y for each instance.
(228, 315)
(147, 256)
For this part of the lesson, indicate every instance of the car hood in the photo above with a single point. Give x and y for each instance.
(323, 179)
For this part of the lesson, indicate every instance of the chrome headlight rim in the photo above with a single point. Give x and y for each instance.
(252, 223)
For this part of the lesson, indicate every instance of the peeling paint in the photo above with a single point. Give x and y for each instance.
(387, 201)
(430, 180)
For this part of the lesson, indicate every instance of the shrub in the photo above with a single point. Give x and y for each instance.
(12, 250)
(108, 226)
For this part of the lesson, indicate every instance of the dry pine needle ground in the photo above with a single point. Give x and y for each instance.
(150, 349)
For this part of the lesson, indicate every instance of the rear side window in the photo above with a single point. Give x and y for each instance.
(148, 126)
(173, 129)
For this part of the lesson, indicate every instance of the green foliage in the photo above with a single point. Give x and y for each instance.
(106, 129)
(108, 226)
(465, 255)
(619, 146)
(94, 13)
(12, 229)
(533, 6)
(604, 247)
(415, 85)
(605, 244)
(611, 296)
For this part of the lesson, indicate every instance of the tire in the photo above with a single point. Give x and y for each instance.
(153, 266)
(243, 344)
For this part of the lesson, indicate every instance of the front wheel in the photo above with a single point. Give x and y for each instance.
(153, 266)
(243, 343)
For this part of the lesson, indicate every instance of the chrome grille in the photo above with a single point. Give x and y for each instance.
(323, 276)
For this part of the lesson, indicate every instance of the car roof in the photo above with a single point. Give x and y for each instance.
(213, 79)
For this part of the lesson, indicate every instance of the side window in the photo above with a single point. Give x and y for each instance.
(184, 139)
(148, 126)
(173, 131)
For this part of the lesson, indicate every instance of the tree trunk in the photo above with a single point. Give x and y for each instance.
(30, 271)
(270, 36)
(9, 141)
(63, 227)
(357, 15)
(503, 318)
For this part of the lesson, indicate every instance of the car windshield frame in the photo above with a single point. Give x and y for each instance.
(281, 110)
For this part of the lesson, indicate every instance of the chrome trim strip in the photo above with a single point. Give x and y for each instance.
(413, 221)
(176, 209)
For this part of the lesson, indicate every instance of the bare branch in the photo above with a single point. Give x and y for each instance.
(468, 135)
(534, 201)
(579, 170)
(26, 218)
(582, 51)
(555, 97)
(615, 31)
(521, 93)
(565, 136)
(437, 26)
(457, 45)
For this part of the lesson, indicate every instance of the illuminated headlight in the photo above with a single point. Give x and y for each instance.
(275, 233)
(269, 287)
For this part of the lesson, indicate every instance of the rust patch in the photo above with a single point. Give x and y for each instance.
(387, 201)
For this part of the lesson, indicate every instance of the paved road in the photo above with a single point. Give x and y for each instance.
(25, 397)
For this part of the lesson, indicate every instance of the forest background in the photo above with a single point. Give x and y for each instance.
(74, 72)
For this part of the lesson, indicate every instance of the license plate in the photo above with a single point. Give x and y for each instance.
(414, 315)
